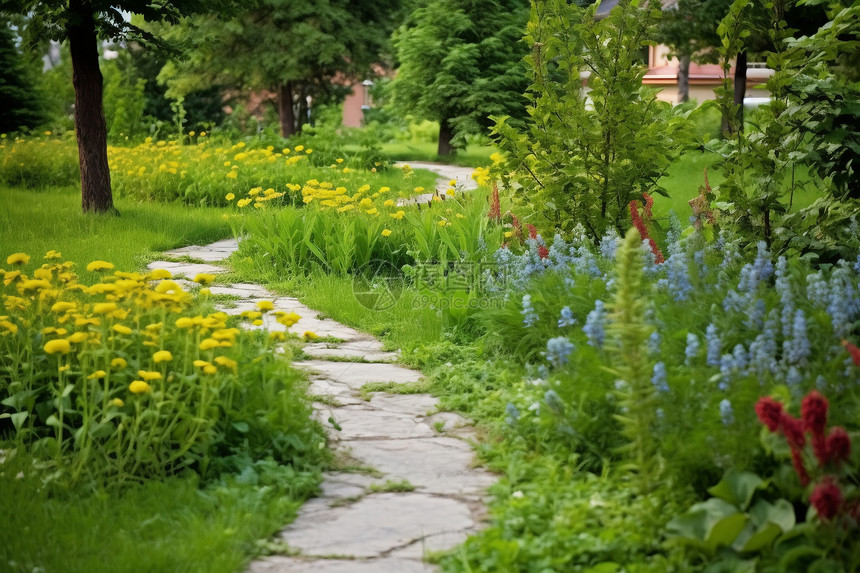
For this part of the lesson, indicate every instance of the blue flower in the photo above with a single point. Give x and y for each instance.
(654, 343)
(609, 244)
(512, 414)
(558, 350)
(763, 348)
(726, 412)
(567, 318)
(530, 317)
(678, 277)
(658, 378)
(692, 349)
(797, 350)
(553, 401)
(715, 345)
(594, 325)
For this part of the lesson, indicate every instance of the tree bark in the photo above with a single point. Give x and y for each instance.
(446, 134)
(90, 127)
(684, 79)
(740, 87)
(286, 113)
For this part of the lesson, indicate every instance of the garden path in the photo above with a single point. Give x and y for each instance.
(446, 173)
(406, 484)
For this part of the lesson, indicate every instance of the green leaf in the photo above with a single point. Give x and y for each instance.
(738, 488)
(18, 419)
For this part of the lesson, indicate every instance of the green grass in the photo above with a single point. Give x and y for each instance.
(688, 174)
(35, 222)
(155, 526)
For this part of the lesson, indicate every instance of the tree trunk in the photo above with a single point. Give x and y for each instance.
(286, 112)
(740, 87)
(446, 134)
(90, 125)
(684, 79)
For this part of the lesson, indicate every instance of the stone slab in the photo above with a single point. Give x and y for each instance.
(298, 565)
(439, 465)
(187, 269)
(360, 422)
(322, 352)
(355, 374)
(376, 524)
(417, 405)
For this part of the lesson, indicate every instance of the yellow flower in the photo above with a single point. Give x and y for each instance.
(18, 259)
(251, 314)
(398, 215)
(243, 202)
(97, 266)
(97, 374)
(418, 189)
(139, 387)
(289, 319)
(104, 307)
(508, 234)
(184, 322)
(63, 368)
(52, 254)
(204, 278)
(258, 322)
(209, 343)
(33, 284)
(226, 363)
(77, 337)
(450, 192)
(118, 363)
(265, 305)
(229, 196)
(162, 356)
(366, 203)
(59, 307)
(159, 274)
(117, 402)
(386, 232)
(9, 327)
(59, 346)
(299, 148)
(452, 182)
(389, 203)
(310, 335)
(121, 329)
(442, 223)
(148, 375)
(232, 174)
(277, 336)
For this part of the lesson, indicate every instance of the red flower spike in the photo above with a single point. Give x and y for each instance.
(853, 351)
(649, 202)
(838, 445)
(532, 231)
(826, 498)
(769, 412)
(792, 429)
(819, 448)
(813, 411)
(495, 213)
(797, 462)
(643, 232)
(543, 252)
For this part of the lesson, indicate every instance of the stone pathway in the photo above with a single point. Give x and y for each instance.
(463, 176)
(406, 484)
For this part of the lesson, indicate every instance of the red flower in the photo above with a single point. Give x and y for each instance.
(543, 252)
(532, 231)
(797, 462)
(769, 412)
(649, 202)
(826, 498)
(838, 445)
(495, 213)
(792, 429)
(518, 227)
(853, 351)
(813, 410)
(643, 232)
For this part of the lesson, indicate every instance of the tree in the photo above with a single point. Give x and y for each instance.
(82, 23)
(460, 63)
(689, 29)
(292, 48)
(19, 98)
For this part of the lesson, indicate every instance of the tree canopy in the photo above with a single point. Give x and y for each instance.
(460, 62)
(292, 48)
(19, 97)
